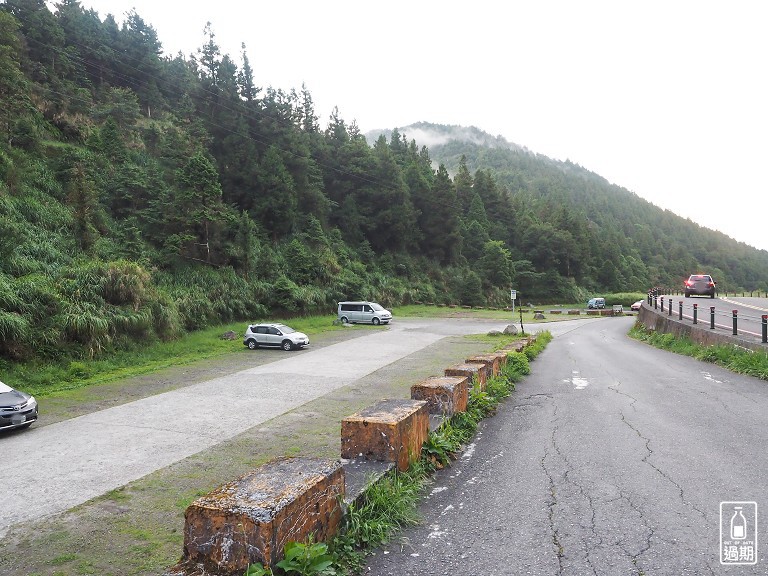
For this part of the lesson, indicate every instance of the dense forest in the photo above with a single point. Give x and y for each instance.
(142, 196)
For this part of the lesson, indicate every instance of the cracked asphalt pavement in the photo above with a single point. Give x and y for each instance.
(612, 458)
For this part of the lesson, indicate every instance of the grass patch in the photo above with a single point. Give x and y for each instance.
(118, 495)
(63, 559)
(46, 379)
(420, 311)
(734, 358)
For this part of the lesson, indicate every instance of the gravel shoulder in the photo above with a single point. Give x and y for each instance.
(137, 529)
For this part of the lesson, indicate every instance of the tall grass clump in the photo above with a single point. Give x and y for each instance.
(735, 358)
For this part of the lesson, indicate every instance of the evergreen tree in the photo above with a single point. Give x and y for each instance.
(496, 265)
(198, 205)
(276, 202)
(463, 182)
(83, 201)
(14, 90)
(438, 215)
(248, 91)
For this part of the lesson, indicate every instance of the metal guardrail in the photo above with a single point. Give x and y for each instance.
(684, 311)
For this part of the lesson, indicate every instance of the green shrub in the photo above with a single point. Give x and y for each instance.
(307, 559)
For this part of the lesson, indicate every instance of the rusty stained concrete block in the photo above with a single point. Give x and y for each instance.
(388, 431)
(491, 362)
(503, 356)
(516, 346)
(471, 370)
(251, 519)
(444, 395)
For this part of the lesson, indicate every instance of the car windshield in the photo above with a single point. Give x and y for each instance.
(376, 307)
(286, 329)
(4, 388)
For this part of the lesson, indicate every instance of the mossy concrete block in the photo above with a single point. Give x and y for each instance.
(389, 431)
(491, 362)
(473, 370)
(503, 356)
(516, 346)
(444, 395)
(251, 519)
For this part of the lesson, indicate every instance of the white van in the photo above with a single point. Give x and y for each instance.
(363, 313)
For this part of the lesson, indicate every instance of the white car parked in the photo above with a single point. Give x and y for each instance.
(274, 335)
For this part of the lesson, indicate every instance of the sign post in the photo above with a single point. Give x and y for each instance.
(513, 295)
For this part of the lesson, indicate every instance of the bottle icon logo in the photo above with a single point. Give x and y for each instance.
(738, 533)
(738, 524)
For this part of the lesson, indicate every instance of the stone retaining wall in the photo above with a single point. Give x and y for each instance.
(701, 333)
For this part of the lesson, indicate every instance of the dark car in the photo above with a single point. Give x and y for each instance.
(700, 285)
(17, 409)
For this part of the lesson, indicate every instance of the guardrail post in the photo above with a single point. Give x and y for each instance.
(695, 313)
(765, 328)
(711, 317)
(670, 306)
(662, 304)
(680, 306)
(655, 302)
(735, 322)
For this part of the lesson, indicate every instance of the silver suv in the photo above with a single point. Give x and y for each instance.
(700, 285)
(17, 409)
(274, 335)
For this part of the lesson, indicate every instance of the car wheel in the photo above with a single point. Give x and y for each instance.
(252, 344)
(287, 345)
(344, 320)
(376, 321)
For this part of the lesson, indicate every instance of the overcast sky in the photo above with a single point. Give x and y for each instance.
(668, 99)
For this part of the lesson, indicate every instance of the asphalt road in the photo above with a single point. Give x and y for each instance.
(749, 312)
(49, 469)
(612, 458)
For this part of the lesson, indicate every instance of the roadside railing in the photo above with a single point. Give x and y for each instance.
(717, 319)
(723, 293)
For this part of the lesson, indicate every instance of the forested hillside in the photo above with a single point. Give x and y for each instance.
(632, 240)
(142, 196)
